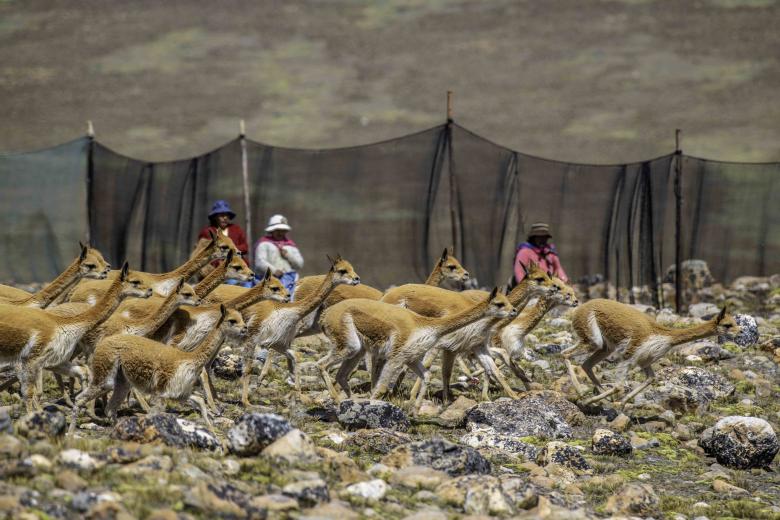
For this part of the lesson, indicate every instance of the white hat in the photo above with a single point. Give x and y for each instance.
(277, 222)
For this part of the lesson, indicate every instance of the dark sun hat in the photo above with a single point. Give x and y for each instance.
(221, 206)
(539, 229)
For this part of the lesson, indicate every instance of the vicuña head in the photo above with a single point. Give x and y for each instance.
(565, 294)
(231, 322)
(237, 269)
(450, 267)
(499, 306)
(133, 283)
(725, 324)
(273, 289)
(342, 271)
(537, 279)
(92, 264)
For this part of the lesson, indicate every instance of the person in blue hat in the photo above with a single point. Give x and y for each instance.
(220, 218)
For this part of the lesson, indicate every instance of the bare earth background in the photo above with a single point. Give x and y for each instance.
(596, 81)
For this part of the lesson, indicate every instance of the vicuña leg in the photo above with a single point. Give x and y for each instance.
(427, 364)
(486, 360)
(648, 370)
(346, 368)
(447, 362)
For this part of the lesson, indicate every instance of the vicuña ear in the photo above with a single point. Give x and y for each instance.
(506, 290)
(332, 261)
(721, 315)
(212, 235)
(229, 257)
(451, 250)
(550, 273)
(222, 311)
(123, 273)
(181, 284)
(443, 256)
(267, 274)
(493, 293)
(84, 250)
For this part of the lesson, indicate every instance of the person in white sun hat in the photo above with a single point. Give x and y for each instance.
(279, 253)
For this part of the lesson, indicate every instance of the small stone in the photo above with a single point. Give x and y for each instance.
(331, 510)
(123, 454)
(634, 499)
(557, 452)
(748, 332)
(620, 423)
(231, 467)
(228, 366)
(40, 462)
(168, 428)
(275, 503)
(639, 443)
(379, 440)
(455, 413)
(540, 414)
(41, 425)
(702, 310)
(369, 490)
(70, 481)
(294, 446)
(222, 500)
(439, 454)
(149, 463)
(429, 409)
(507, 443)
(83, 501)
(721, 486)
(477, 495)
(741, 442)
(254, 431)
(6, 425)
(78, 459)
(11, 447)
(418, 477)
(606, 442)
(362, 414)
(308, 492)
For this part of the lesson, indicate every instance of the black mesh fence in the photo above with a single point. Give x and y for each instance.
(391, 207)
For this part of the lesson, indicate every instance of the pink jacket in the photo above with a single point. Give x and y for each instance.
(545, 257)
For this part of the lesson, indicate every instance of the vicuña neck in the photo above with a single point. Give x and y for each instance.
(311, 302)
(521, 294)
(247, 299)
(68, 278)
(160, 315)
(453, 322)
(532, 316)
(101, 311)
(194, 264)
(208, 348)
(436, 276)
(211, 281)
(680, 336)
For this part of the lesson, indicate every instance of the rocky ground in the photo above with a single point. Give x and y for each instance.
(677, 452)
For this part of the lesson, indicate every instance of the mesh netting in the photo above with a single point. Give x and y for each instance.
(391, 207)
(42, 210)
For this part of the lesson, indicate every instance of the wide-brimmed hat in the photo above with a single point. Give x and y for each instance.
(539, 229)
(277, 222)
(221, 206)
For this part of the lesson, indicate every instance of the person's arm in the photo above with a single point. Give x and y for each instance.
(523, 256)
(293, 257)
(240, 242)
(558, 269)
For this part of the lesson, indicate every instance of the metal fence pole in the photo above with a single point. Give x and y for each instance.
(245, 176)
(88, 178)
(678, 171)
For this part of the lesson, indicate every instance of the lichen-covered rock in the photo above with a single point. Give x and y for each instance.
(634, 499)
(308, 492)
(696, 275)
(540, 414)
(455, 414)
(41, 424)
(476, 495)
(748, 332)
(355, 415)
(741, 442)
(254, 431)
(687, 388)
(167, 428)
(227, 366)
(557, 452)
(606, 442)
(380, 440)
(11, 447)
(507, 443)
(439, 454)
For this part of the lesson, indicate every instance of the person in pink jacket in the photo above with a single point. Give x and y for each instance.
(538, 249)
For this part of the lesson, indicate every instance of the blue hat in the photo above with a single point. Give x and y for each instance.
(221, 206)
